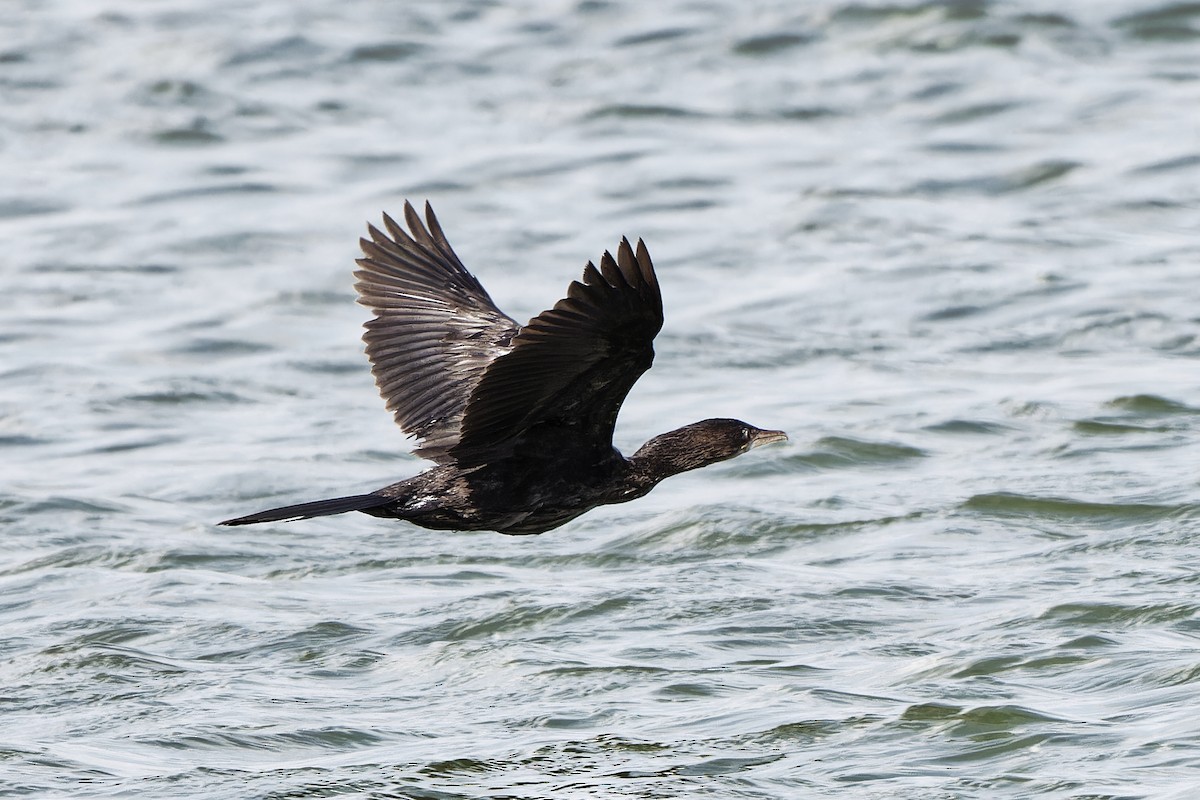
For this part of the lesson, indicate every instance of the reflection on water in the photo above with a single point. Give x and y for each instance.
(949, 247)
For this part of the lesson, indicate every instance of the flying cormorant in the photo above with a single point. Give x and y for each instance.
(519, 420)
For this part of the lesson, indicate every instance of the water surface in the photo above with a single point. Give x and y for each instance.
(950, 247)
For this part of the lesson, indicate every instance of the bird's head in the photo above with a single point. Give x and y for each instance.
(700, 444)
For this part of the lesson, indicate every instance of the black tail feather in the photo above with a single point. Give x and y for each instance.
(318, 508)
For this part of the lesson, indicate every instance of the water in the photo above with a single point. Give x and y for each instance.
(950, 247)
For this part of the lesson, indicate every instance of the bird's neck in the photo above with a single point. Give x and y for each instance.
(660, 458)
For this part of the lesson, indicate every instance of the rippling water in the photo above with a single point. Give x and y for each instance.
(952, 248)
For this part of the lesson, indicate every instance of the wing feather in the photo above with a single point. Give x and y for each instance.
(570, 368)
(435, 330)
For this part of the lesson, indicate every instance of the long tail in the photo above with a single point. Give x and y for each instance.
(319, 508)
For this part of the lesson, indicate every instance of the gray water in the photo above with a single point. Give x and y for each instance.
(952, 248)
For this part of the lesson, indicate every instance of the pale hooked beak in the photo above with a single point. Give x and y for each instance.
(767, 437)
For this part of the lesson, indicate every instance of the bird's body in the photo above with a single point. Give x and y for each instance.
(518, 419)
(506, 497)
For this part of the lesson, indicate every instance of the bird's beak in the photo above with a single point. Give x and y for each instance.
(767, 437)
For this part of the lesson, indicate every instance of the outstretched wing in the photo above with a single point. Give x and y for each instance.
(435, 330)
(570, 367)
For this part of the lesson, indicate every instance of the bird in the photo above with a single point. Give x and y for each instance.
(518, 420)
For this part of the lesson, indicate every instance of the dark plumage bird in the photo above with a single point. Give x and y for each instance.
(519, 420)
